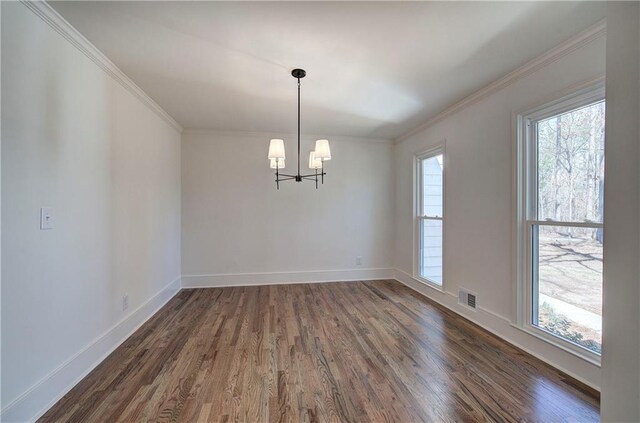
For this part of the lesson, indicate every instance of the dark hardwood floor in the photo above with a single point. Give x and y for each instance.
(355, 351)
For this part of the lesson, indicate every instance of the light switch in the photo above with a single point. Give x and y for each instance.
(46, 218)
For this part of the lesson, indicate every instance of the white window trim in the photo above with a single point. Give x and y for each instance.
(435, 150)
(525, 182)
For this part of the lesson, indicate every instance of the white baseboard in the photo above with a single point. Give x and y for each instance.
(277, 278)
(43, 395)
(581, 370)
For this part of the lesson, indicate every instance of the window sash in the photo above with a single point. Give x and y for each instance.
(534, 290)
(531, 152)
(421, 249)
(420, 181)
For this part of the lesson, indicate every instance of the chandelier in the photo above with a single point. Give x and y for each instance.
(317, 157)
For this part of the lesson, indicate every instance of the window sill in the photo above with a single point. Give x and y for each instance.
(560, 343)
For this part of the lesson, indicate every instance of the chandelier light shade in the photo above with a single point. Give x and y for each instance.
(276, 149)
(314, 163)
(317, 158)
(323, 152)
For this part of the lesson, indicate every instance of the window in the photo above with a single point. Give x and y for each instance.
(430, 207)
(561, 221)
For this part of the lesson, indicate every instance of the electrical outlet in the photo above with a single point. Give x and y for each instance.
(358, 261)
(125, 302)
(46, 218)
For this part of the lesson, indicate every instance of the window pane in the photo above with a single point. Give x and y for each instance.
(432, 186)
(569, 283)
(571, 165)
(431, 250)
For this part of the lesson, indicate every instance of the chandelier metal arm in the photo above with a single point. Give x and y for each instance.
(281, 177)
(311, 176)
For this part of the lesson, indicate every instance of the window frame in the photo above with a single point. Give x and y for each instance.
(418, 217)
(526, 210)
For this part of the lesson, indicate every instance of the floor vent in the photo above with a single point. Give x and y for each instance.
(467, 299)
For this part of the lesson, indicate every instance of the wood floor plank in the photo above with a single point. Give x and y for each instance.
(371, 351)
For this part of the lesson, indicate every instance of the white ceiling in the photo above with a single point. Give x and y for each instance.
(374, 69)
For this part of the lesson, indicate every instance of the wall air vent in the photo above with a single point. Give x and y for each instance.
(467, 298)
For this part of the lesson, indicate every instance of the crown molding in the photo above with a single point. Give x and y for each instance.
(45, 12)
(283, 135)
(563, 49)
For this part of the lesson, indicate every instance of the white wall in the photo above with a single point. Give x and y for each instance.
(237, 228)
(479, 201)
(78, 141)
(621, 308)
